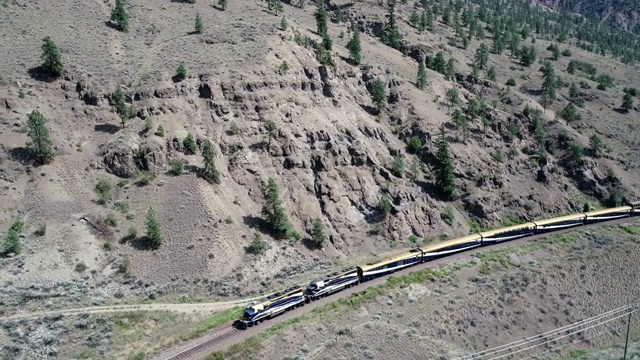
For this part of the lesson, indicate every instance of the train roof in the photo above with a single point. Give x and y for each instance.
(508, 228)
(275, 296)
(447, 243)
(634, 204)
(559, 219)
(336, 274)
(392, 259)
(607, 211)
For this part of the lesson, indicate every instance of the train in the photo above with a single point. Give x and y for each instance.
(273, 305)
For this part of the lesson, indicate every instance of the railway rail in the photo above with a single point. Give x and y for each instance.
(229, 334)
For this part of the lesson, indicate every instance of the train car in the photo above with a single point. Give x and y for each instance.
(383, 267)
(448, 247)
(607, 214)
(507, 233)
(558, 223)
(635, 208)
(273, 305)
(332, 283)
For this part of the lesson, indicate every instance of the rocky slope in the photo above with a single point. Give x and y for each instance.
(332, 154)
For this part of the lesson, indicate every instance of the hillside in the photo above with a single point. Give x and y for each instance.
(623, 14)
(274, 104)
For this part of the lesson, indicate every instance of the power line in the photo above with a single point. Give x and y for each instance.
(564, 336)
(538, 337)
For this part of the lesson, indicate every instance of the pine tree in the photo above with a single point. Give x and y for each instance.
(120, 16)
(414, 19)
(273, 212)
(627, 101)
(482, 56)
(317, 233)
(222, 4)
(449, 69)
(422, 24)
(41, 146)
(378, 94)
(199, 27)
(421, 81)
(549, 80)
(460, 120)
(190, 145)
(209, 173)
(51, 58)
(391, 35)
(12, 243)
(596, 145)
(271, 128)
(491, 74)
(355, 47)
(443, 170)
(321, 19)
(277, 7)
(284, 24)
(453, 96)
(154, 232)
(123, 111)
(181, 72)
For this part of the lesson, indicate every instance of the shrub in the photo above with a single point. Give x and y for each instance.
(103, 188)
(511, 82)
(177, 166)
(81, 267)
(257, 246)
(447, 215)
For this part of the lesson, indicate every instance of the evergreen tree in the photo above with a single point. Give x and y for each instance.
(273, 212)
(222, 4)
(491, 74)
(123, 111)
(449, 70)
(12, 243)
(414, 19)
(120, 16)
(438, 63)
(574, 94)
(317, 233)
(355, 47)
(627, 101)
(277, 7)
(453, 96)
(41, 146)
(378, 94)
(210, 173)
(51, 58)
(321, 19)
(271, 128)
(421, 81)
(284, 24)
(570, 113)
(596, 145)
(549, 80)
(190, 145)
(461, 122)
(199, 27)
(181, 72)
(327, 43)
(422, 24)
(391, 35)
(527, 55)
(398, 166)
(482, 56)
(443, 170)
(154, 232)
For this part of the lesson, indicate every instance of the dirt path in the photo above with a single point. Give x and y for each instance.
(185, 308)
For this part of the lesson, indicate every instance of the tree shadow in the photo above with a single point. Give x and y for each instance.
(348, 60)
(621, 111)
(534, 92)
(39, 74)
(22, 155)
(111, 25)
(106, 128)
(310, 244)
(257, 223)
(371, 110)
(176, 78)
(141, 243)
(431, 190)
(258, 146)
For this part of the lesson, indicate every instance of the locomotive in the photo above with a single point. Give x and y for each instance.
(278, 303)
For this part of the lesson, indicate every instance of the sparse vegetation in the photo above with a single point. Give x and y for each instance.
(51, 58)
(154, 232)
(41, 146)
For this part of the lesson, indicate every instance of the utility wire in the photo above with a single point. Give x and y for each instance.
(564, 336)
(538, 337)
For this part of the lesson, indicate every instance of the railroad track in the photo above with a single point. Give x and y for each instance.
(219, 339)
(227, 331)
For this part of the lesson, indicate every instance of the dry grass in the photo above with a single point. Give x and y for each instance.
(341, 154)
